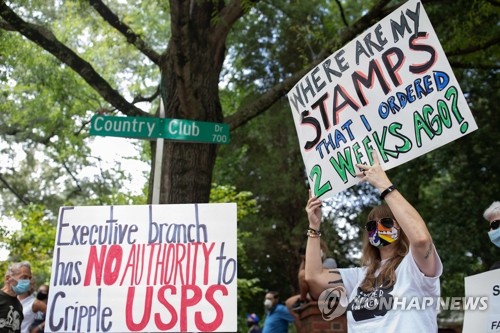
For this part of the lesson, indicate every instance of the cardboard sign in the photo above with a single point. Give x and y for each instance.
(480, 285)
(148, 268)
(391, 90)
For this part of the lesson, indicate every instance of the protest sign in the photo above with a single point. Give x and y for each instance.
(147, 268)
(484, 284)
(390, 90)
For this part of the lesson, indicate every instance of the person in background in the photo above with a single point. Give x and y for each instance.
(253, 323)
(17, 281)
(27, 299)
(277, 317)
(297, 302)
(400, 264)
(40, 303)
(492, 215)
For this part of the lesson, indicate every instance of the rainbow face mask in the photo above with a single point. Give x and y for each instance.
(382, 232)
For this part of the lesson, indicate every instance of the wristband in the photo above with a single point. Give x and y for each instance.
(387, 191)
(313, 233)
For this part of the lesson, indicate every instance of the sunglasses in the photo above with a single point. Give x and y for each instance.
(494, 224)
(386, 222)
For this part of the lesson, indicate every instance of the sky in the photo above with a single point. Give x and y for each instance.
(109, 150)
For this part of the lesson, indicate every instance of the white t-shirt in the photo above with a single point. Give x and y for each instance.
(410, 305)
(28, 313)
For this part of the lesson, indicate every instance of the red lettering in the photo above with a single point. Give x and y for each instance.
(131, 325)
(110, 262)
(113, 264)
(161, 298)
(188, 302)
(206, 255)
(191, 295)
(95, 264)
(209, 296)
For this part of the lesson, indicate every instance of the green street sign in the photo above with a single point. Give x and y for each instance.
(154, 128)
(125, 127)
(195, 131)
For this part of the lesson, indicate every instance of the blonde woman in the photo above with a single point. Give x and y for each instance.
(397, 287)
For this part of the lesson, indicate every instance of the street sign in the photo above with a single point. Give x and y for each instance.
(125, 127)
(152, 128)
(194, 131)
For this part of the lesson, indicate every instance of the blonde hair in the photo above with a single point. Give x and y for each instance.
(371, 255)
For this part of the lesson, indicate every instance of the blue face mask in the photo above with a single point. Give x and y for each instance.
(22, 286)
(495, 236)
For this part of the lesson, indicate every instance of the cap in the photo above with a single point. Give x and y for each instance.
(253, 318)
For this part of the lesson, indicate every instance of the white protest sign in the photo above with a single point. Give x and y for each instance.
(391, 90)
(480, 285)
(147, 268)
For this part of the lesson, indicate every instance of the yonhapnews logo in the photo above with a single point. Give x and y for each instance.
(333, 302)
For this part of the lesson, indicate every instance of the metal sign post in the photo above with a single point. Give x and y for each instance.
(155, 200)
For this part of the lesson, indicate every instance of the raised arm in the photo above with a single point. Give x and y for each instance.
(408, 218)
(318, 279)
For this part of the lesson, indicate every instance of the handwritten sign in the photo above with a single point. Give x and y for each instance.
(391, 90)
(484, 284)
(150, 268)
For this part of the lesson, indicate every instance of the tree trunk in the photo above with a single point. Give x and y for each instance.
(186, 172)
(187, 166)
(190, 76)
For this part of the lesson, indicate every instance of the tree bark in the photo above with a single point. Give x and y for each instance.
(190, 90)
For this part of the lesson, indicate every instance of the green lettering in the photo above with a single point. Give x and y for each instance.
(357, 154)
(369, 149)
(428, 110)
(394, 130)
(452, 94)
(420, 125)
(319, 189)
(380, 142)
(344, 164)
(444, 113)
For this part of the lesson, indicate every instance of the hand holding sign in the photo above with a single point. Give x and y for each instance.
(313, 210)
(374, 174)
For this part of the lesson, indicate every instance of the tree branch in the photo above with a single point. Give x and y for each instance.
(469, 65)
(72, 176)
(140, 98)
(248, 112)
(229, 15)
(46, 39)
(477, 46)
(10, 188)
(342, 14)
(125, 30)
(6, 26)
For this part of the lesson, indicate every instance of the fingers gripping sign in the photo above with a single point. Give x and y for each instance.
(374, 174)
(313, 209)
(364, 169)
